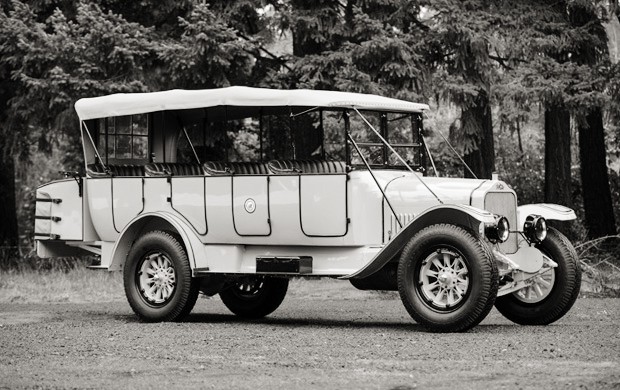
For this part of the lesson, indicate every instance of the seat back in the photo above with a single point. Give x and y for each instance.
(97, 170)
(235, 168)
(174, 169)
(308, 166)
(249, 168)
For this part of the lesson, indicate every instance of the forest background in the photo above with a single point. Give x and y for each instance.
(527, 89)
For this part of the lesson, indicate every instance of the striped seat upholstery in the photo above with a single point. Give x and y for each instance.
(235, 168)
(307, 166)
(174, 169)
(216, 168)
(97, 170)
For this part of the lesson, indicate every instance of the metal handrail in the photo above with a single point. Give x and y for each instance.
(428, 152)
(95, 148)
(457, 154)
(189, 141)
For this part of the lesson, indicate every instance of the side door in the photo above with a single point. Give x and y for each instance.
(250, 205)
(323, 204)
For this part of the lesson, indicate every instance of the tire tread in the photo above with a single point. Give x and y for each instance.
(183, 270)
(506, 304)
(489, 287)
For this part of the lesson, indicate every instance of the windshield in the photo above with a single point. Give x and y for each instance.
(399, 130)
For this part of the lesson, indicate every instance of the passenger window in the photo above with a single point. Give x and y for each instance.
(307, 137)
(401, 136)
(367, 140)
(196, 134)
(245, 140)
(277, 139)
(124, 137)
(334, 135)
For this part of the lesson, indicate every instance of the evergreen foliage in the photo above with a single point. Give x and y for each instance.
(518, 57)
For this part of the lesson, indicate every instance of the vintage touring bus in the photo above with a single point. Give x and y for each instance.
(233, 191)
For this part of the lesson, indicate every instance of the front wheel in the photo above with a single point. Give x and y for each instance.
(254, 296)
(447, 278)
(552, 294)
(158, 278)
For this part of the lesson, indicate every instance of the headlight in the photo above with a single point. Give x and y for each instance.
(499, 231)
(535, 228)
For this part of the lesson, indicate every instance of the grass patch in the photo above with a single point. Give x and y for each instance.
(600, 262)
(77, 285)
(82, 285)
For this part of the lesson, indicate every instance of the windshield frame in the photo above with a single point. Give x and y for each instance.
(417, 144)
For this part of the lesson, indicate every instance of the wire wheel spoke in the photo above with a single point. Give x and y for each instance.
(539, 288)
(443, 279)
(156, 278)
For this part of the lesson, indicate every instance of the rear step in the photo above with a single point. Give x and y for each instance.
(284, 265)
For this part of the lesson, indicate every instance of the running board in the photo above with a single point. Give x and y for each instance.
(296, 265)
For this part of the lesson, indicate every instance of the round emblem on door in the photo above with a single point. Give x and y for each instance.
(250, 205)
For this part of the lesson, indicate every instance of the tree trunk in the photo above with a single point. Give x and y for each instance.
(482, 160)
(8, 212)
(557, 156)
(599, 212)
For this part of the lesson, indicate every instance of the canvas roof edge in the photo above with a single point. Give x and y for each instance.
(178, 99)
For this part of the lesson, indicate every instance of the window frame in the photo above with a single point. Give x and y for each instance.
(129, 132)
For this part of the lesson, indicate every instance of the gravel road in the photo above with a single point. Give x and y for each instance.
(342, 339)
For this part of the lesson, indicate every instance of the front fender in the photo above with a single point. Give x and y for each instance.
(153, 221)
(467, 216)
(547, 210)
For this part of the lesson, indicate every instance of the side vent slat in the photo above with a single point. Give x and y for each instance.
(394, 227)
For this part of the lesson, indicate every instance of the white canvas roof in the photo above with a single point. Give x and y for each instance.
(177, 99)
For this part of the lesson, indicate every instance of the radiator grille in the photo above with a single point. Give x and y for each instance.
(504, 204)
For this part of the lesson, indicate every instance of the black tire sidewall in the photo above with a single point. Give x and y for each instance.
(563, 293)
(171, 247)
(479, 297)
(268, 299)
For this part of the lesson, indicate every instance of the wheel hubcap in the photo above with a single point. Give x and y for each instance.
(157, 278)
(539, 288)
(443, 280)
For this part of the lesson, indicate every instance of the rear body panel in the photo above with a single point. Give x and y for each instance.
(59, 211)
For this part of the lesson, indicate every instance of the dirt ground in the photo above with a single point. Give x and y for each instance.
(334, 337)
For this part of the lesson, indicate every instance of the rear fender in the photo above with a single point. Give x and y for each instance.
(547, 210)
(469, 217)
(154, 221)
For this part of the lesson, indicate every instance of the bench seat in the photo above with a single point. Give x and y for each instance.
(235, 168)
(308, 166)
(217, 168)
(97, 170)
(174, 169)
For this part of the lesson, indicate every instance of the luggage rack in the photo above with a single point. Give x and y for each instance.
(43, 213)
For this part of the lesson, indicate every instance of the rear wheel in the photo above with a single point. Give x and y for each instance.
(447, 278)
(254, 296)
(552, 294)
(158, 279)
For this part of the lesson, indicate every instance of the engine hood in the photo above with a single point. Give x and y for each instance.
(408, 195)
